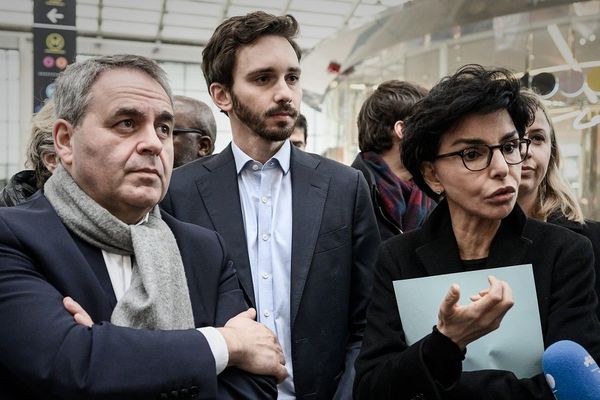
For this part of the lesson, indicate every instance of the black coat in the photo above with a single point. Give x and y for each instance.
(591, 230)
(564, 277)
(18, 189)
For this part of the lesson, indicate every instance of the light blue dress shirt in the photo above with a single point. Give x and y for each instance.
(266, 200)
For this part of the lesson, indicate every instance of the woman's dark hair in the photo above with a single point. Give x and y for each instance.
(473, 89)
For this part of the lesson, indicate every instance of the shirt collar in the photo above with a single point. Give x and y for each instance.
(143, 220)
(282, 157)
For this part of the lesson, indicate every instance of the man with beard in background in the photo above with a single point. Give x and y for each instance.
(300, 228)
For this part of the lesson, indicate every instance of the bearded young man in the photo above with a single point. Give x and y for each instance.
(301, 228)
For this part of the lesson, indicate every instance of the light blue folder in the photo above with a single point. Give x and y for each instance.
(516, 346)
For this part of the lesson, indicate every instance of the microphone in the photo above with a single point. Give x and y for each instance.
(571, 372)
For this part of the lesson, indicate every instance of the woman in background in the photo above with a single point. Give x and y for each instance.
(543, 192)
(41, 156)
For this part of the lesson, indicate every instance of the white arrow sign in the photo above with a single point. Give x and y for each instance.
(53, 15)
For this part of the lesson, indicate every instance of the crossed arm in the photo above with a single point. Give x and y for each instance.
(252, 346)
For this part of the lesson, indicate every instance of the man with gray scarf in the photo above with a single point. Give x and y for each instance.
(155, 287)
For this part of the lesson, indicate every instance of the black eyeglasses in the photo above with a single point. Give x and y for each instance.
(479, 156)
(179, 131)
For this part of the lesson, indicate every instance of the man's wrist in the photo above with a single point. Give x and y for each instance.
(232, 342)
(218, 347)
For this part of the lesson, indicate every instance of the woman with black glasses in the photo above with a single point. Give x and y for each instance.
(464, 146)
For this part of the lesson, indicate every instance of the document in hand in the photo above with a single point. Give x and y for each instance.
(517, 345)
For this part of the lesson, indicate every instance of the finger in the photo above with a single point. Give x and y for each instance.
(281, 373)
(475, 297)
(70, 305)
(249, 313)
(83, 319)
(78, 312)
(450, 300)
(496, 290)
(480, 295)
(508, 296)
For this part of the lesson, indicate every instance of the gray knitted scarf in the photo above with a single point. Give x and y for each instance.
(158, 297)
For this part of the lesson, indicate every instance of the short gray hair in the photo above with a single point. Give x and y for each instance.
(74, 85)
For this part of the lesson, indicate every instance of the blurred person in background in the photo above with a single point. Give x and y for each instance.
(195, 130)
(543, 193)
(41, 156)
(300, 133)
(398, 202)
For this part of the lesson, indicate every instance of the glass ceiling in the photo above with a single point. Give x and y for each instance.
(193, 21)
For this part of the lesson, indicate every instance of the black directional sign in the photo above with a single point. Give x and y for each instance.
(54, 38)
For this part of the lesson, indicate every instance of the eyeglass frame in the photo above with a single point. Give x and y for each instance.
(179, 131)
(490, 154)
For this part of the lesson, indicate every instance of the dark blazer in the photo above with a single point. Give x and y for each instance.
(45, 354)
(334, 247)
(563, 273)
(591, 230)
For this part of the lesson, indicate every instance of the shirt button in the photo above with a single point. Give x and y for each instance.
(267, 314)
(265, 275)
(255, 167)
(264, 199)
(265, 236)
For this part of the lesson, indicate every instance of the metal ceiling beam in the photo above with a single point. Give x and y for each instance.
(161, 24)
(349, 16)
(287, 7)
(225, 10)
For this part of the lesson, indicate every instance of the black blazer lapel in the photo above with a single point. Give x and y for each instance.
(94, 257)
(439, 254)
(84, 264)
(220, 193)
(309, 190)
(509, 247)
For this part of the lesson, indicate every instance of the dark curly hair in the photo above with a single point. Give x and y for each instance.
(392, 101)
(219, 55)
(473, 89)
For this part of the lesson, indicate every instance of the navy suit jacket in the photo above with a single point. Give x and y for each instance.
(334, 249)
(45, 354)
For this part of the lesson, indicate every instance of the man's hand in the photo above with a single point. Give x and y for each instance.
(465, 324)
(79, 314)
(253, 347)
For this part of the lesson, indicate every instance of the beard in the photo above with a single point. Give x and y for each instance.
(258, 123)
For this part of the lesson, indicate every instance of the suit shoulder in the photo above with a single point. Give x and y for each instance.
(335, 169)
(188, 171)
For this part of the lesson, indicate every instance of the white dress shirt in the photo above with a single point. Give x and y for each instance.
(266, 202)
(120, 269)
